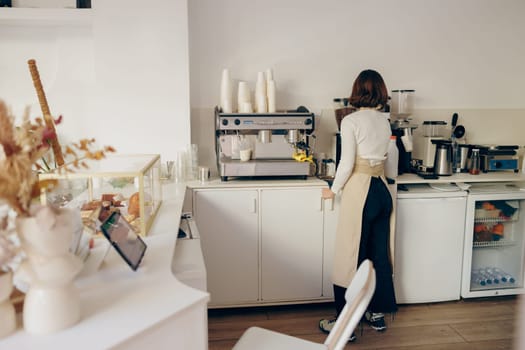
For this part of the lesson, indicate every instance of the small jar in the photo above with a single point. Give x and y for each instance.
(474, 162)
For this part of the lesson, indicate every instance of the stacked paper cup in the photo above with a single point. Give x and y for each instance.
(264, 94)
(260, 93)
(226, 98)
(270, 91)
(243, 98)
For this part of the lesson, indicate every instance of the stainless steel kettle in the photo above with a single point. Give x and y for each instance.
(443, 158)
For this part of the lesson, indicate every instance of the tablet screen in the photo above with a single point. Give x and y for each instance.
(124, 239)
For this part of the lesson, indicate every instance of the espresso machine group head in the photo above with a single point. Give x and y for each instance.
(273, 140)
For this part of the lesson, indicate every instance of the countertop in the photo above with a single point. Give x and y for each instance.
(502, 176)
(247, 182)
(119, 306)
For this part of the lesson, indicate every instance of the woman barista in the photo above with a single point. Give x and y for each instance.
(363, 230)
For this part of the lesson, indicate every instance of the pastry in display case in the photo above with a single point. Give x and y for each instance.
(129, 184)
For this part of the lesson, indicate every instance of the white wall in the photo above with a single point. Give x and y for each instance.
(64, 59)
(460, 56)
(142, 70)
(122, 78)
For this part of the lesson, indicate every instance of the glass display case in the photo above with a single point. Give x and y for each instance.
(128, 183)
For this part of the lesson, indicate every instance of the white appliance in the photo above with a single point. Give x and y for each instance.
(425, 150)
(429, 243)
(493, 262)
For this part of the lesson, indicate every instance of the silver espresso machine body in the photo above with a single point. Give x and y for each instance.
(272, 138)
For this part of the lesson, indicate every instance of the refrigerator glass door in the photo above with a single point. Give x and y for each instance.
(494, 245)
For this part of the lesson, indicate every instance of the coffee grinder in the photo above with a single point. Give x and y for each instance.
(401, 108)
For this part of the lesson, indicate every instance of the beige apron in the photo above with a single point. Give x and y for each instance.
(348, 233)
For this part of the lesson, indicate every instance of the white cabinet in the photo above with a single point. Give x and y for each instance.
(228, 225)
(261, 245)
(291, 244)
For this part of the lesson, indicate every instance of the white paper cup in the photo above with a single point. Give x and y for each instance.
(227, 106)
(260, 94)
(226, 92)
(261, 77)
(245, 107)
(245, 154)
(271, 91)
(269, 75)
(243, 92)
(261, 104)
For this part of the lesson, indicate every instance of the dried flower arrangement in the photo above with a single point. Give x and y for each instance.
(25, 152)
(22, 151)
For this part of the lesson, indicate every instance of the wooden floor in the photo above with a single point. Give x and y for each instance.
(460, 325)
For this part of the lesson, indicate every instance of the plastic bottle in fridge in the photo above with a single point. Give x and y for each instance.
(477, 278)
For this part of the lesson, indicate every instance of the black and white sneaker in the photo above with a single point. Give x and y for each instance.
(352, 338)
(326, 326)
(376, 320)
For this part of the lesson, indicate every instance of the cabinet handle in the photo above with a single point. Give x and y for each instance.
(331, 203)
(254, 206)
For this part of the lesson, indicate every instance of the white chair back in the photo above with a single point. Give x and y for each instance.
(358, 296)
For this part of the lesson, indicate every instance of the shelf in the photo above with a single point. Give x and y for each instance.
(493, 244)
(477, 288)
(494, 220)
(45, 16)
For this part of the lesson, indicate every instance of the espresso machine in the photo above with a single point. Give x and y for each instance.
(263, 144)
(401, 107)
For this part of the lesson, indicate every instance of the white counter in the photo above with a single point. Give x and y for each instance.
(247, 182)
(122, 309)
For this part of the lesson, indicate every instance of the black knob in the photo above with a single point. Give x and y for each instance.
(308, 121)
(237, 122)
(225, 122)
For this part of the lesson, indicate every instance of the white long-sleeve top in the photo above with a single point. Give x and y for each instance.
(364, 134)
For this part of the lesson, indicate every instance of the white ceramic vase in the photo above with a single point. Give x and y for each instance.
(52, 302)
(7, 310)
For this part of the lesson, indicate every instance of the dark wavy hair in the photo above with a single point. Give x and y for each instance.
(369, 90)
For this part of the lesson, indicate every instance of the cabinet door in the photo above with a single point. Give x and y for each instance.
(494, 252)
(291, 244)
(227, 222)
(428, 249)
(331, 215)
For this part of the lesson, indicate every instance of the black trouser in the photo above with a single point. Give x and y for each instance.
(375, 236)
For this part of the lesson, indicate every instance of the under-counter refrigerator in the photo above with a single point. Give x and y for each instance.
(493, 259)
(430, 225)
